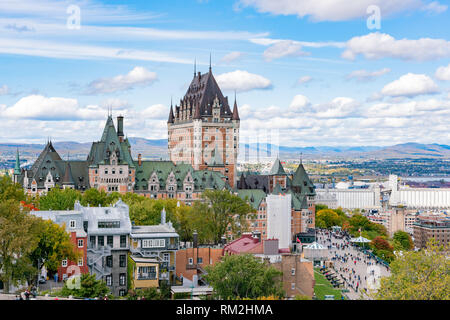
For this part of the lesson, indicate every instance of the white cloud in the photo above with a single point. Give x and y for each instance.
(52, 109)
(139, 76)
(242, 81)
(443, 73)
(4, 90)
(304, 79)
(330, 10)
(340, 107)
(299, 103)
(410, 85)
(232, 56)
(282, 49)
(157, 111)
(379, 45)
(364, 75)
(435, 7)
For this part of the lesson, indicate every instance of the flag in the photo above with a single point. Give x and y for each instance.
(298, 240)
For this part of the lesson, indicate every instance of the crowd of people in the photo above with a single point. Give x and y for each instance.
(355, 267)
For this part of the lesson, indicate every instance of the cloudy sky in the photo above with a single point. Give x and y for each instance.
(313, 72)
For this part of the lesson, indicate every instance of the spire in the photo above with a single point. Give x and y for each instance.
(171, 117)
(195, 67)
(210, 69)
(235, 109)
(17, 166)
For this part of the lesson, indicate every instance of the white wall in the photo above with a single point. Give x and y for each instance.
(279, 219)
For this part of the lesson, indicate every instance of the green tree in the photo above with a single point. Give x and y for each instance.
(89, 288)
(244, 276)
(95, 198)
(54, 246)
(403, 241)
(59, 199)
(17, 240)
(327, 218)
(421, 275)
(10, 190)
(218, 211)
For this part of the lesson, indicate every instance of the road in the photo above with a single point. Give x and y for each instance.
(359, 271)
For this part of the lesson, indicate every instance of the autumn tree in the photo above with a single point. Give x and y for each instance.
(17, 241)
(244, 276)
(402, 241)
(421, 275)
(326, 218)
(10, 190)
(54, 246)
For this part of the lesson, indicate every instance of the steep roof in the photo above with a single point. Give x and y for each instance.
(235, 111)
(109, 143)
(254, 197)
(67, 179)
(301, 182)
(277, 169)
(201, 93)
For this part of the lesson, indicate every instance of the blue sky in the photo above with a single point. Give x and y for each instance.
(311, 74)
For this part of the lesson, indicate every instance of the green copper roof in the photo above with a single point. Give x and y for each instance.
(254, 196)
(277, 169)
(301, 182)
(277, 190)
(17, 166)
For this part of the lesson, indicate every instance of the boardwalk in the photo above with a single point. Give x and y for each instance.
(358, 271)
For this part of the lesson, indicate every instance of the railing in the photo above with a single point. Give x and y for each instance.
(149, 276)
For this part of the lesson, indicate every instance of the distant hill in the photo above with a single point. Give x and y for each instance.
(157, 149)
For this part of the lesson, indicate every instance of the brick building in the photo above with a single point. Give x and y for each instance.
(427, 227)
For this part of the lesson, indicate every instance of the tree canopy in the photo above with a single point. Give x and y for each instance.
(244, 276)
(421, 275)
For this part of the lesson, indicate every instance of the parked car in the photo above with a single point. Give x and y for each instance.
(42, 280)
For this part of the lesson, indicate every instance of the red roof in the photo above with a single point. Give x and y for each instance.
(245, 244)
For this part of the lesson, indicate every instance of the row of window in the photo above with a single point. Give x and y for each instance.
(122, 261)
(100, 241)
(80, 262)
(122, 280)
(154, 243)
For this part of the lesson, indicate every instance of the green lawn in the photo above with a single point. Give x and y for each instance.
(324, 287)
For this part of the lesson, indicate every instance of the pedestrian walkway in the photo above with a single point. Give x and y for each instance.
(359, 271)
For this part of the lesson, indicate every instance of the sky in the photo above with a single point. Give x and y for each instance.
(305, 72)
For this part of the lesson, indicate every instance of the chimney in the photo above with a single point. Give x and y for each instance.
(120, 128)
(163, 216)
(195, 239)
(139, 159)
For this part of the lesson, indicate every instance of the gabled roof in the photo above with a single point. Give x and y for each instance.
(67, 179)
(277, 190)
(277, 169)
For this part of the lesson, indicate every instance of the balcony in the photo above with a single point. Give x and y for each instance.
(147, 276)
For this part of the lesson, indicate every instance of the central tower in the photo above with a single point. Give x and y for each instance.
(203, 130)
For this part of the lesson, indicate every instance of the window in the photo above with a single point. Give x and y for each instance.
(80, 243)
(110, 241)
(199, 260)
(92, 241)
(122, 260)
(109, 261)
(166, 257)
(108, 224)
(101, 241)
(106, 171)
(147, 273)
(109, 280)
(191, 261)
(80, 262)
(122, 278)
(122, 292)
(72, 224)
(123, 241)
(64, 263)
(154, 243)
(293, 285)
(293, 271)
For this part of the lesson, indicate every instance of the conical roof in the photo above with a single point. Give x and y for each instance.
(235, 111)
(17, 165)
(277, 190)
(277, 169)
(171, 117)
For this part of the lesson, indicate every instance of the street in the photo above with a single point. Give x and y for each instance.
(359, 271)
